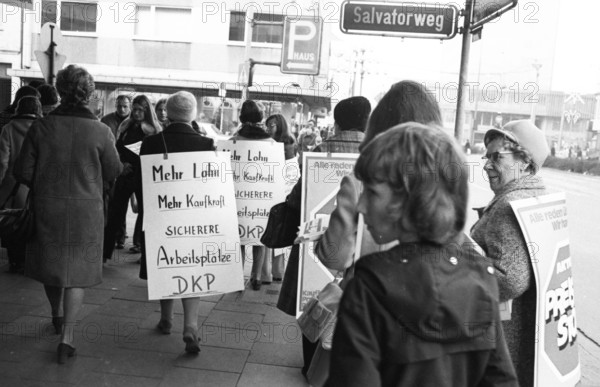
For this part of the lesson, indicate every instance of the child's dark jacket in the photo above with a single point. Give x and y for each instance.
(421, 315)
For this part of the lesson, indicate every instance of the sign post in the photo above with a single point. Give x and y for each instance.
(544, 223)
(50, 60)
(301, 51)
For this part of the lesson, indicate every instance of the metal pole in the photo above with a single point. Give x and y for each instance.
(562, 123)
(222, 111)
(537, 67)
(362, 70)
(51, 77)
(248, 42)
(464, 70)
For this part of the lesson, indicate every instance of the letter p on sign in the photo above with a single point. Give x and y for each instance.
(301, 51)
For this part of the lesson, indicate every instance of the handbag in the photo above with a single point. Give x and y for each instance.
(16, 224)
(282, 227)
(319, 315)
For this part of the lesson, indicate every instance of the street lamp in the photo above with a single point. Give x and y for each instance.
(537, 67)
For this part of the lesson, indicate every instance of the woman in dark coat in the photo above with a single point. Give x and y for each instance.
(179, 136)
(66, 159)
(29, 109)
(278, 129)
(141, 123)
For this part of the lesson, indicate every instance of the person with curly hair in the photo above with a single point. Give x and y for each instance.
(67, 159)
(424, 312)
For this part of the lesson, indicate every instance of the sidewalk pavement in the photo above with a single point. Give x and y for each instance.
(245, 339)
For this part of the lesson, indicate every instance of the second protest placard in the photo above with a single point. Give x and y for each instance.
(258, 169)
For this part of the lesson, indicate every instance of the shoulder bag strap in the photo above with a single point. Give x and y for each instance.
(13, 193)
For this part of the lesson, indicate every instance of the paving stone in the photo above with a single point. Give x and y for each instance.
(261, 375)
(114, 327)
(214, 358)
(152, 320)
(243, 307)
(212, 298)
(133, 293)
(37, 327)
(11, 312)
(42, 367)
(97, 379)
(98, 296)
(101, 347)
(136, 363)
(233, 296)
(182, 377)
(45, 311)
(260, 296)
(237, 320)
(22, 296)
(152, 340)
(275, 315)
(276, 354)
(126, 308)
(223, 337)
(280, 333)
(139, 283)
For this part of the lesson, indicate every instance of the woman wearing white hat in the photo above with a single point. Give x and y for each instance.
(514, 155)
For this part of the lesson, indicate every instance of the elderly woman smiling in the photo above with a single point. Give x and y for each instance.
(514, 155)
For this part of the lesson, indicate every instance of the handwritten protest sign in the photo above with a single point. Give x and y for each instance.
(322, 174)
(544, 223)
(190, 221)
(258, 173)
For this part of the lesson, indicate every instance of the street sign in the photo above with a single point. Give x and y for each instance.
(301, 51)
(485, 11)
(43, 58)
(416, 20)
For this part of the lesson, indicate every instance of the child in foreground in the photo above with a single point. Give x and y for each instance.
(424, 313)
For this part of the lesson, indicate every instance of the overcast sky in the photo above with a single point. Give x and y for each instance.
(561, 35)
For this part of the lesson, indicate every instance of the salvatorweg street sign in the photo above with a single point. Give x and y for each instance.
(405, 19)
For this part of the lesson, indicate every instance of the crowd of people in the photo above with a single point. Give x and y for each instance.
(409, 302)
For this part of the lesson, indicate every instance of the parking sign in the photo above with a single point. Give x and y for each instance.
(301, 52)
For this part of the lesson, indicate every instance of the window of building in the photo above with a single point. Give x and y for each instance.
(162, 23)
(260, 33)
(75, 17)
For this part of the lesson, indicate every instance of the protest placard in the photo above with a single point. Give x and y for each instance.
(190, 222)
(322, 174)
(544, 223)
(258, 169)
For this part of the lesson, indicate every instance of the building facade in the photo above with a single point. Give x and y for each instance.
(158, 47)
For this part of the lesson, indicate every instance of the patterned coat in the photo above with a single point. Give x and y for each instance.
(67, 158)
(11, 140)
(499, 234)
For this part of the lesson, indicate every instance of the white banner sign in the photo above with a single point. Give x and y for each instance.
(190, 221)
(544, 223)
(322, 174)
(259, 178)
